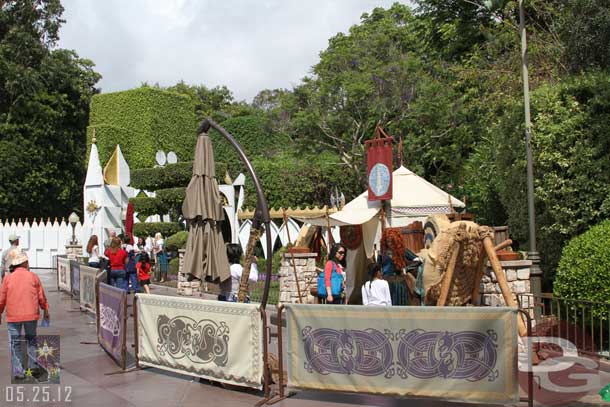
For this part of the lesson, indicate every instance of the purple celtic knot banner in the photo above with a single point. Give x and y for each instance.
(466, 355)
(368, 353)
(112, 311)
(450, 353)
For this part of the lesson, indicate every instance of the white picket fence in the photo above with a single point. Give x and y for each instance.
(40, 239)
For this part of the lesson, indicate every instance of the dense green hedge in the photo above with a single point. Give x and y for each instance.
(149, 229)
(584, 269)
(170, 176)
(167, 201)
(290, 181)
(255, 136)
(177, 241)
(143, 121)
(174, 266)
(145, 206)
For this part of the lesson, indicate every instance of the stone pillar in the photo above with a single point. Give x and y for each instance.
(184, 287)
(518, 276)
(74, 251)
(305, 264)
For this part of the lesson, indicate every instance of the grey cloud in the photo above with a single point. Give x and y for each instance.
(246, 45)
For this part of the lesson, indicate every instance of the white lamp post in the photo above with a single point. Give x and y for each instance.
(73, 220)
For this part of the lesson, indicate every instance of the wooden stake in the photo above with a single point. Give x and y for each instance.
(294, 266)
(448, 278)
(502, 282)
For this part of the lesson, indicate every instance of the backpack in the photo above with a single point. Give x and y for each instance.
(336, 283)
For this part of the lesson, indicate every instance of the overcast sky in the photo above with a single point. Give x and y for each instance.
(247, 45)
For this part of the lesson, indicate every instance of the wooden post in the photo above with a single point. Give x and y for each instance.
(294, 266)
(448, 278)
(255, 232)
(477, 282)
(502, 282)
(135, 330)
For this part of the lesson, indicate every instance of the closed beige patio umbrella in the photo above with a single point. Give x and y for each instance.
(205, 257)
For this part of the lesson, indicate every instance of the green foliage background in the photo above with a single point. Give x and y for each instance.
(143, 121)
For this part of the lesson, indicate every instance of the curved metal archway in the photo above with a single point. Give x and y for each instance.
(262, 208)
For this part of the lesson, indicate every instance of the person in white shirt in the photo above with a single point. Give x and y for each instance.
(230, 287)
(94, 251)
(376, 291)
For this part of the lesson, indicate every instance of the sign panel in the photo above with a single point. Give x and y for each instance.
(87, 288)
(224, 344)
(63, 274)
(379, 168)
(112, 311)
(451, 353)
(75, 278)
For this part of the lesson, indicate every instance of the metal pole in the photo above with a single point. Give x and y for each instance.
(533, 255)
(261, 202)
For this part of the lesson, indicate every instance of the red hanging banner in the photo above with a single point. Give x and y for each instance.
(379, 166)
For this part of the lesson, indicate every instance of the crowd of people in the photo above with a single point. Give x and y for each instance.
(392, 275)
(130, 266)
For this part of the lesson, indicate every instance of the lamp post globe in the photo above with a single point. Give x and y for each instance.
(73, 219)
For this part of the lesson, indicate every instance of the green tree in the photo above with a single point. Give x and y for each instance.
(44, 104)
(217, 103)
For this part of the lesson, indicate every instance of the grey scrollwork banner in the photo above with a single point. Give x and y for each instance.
(452, 353)
(63, 275)
(87, 288)
(215, 340)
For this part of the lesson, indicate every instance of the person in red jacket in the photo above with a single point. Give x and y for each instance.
(22, 295)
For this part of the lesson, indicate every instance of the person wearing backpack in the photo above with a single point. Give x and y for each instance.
(331, 282)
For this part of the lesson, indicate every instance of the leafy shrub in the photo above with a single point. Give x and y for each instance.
(177, 241)
(289, 180)
(254, 135)
(143, 121)
(174, 266)
(146, 206)
(170, 176)
(149, 229)
(584, 269)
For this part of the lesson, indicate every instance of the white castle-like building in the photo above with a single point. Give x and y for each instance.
(105, 195)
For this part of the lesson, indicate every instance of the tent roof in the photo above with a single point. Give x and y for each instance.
(410, 191)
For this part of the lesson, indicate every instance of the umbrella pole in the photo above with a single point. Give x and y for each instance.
(261, 202)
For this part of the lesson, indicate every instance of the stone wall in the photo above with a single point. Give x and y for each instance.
(518, 277)
(184, 287)
(305, 264)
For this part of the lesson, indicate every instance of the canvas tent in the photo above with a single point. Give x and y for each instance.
(413, 199)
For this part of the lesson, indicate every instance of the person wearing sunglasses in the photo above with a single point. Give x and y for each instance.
(333, 276)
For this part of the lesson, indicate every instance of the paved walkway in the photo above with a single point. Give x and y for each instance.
(84, 367)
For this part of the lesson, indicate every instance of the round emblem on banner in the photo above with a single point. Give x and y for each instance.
(379, 179)
(351, 236)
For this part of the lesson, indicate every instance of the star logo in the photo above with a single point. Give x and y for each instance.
(28, 373)
(45, 351)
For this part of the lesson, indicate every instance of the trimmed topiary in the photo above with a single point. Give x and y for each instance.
(177, 241)
(143, 121)
(584, 269)
(170, 176)
(143, 229)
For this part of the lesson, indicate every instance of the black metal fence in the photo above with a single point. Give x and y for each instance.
(584, 323)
